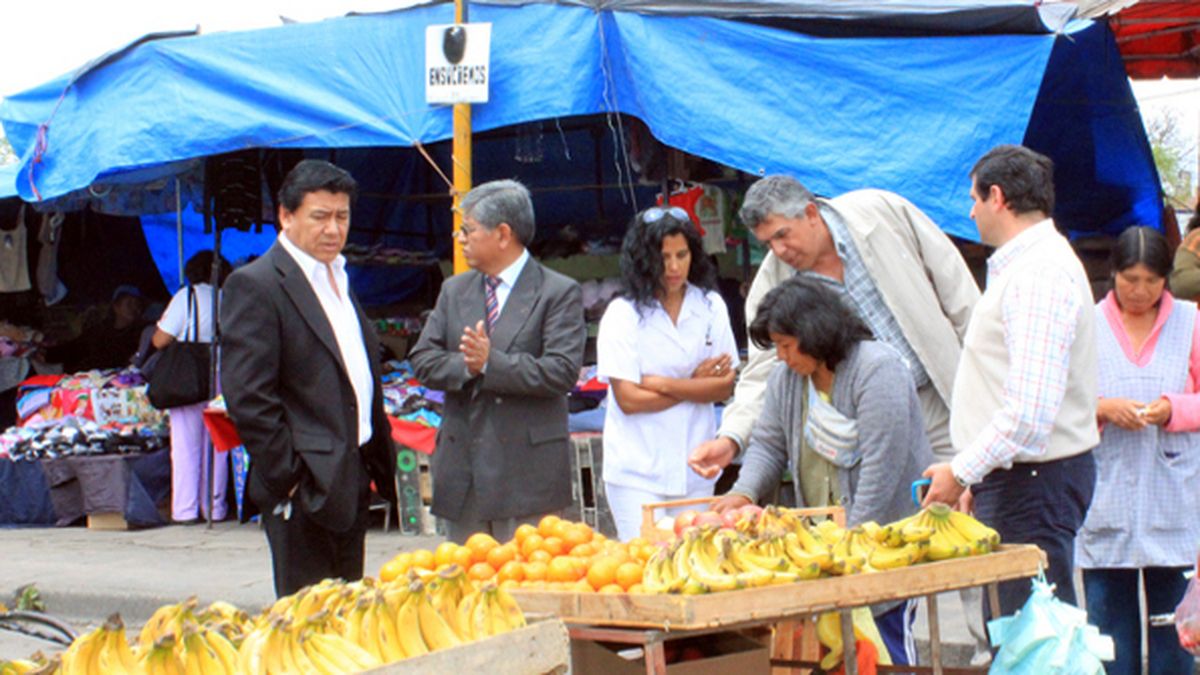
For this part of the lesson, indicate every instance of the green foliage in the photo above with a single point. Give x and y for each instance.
(1174, 157)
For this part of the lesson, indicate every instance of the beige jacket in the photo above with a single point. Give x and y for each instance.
(919, 272)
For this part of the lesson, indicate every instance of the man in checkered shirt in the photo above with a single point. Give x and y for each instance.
(1023, 415)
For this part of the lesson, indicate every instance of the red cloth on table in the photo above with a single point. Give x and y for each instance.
(409, 434)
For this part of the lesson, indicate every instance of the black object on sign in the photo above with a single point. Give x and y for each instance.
(454, 44)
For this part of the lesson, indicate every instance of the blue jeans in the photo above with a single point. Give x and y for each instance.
(1042, 504)
(1112, 606)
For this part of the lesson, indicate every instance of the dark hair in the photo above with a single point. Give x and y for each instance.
(814, 314)
(198, 268)
(502, 201)
(1141, 245)
(314, 175)
(642, 262)
(1025, 177)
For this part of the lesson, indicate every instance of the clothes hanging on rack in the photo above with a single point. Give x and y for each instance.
(49, 285)
(14, 263)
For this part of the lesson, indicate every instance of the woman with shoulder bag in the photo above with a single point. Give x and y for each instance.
(188, 317)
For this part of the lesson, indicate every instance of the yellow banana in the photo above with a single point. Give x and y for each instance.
(829, 633)
(466, 614)
(340, 655)
(406, 629)
(510, 608)
(886, 558)
(250, 654)
(983, 538)
(802, 557)
(223, 648)
(436, 633)
(83, 655)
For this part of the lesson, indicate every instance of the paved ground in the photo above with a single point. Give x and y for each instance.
(85, 575)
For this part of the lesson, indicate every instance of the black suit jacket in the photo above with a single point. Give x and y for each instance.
(504, 432)
(290, 397)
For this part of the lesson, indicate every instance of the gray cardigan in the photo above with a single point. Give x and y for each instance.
(871, 385)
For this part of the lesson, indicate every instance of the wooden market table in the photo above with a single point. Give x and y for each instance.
(649, 620)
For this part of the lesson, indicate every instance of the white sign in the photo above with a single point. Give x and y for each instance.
(457, 58)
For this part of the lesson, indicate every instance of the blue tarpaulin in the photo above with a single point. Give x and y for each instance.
(907, 114)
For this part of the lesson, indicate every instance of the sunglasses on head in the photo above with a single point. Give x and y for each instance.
(656, 213)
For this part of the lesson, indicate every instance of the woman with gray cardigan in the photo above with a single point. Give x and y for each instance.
(842, 413)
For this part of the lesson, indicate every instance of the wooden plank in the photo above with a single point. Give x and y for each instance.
(774, 603)
(537, 649)
(783, 645)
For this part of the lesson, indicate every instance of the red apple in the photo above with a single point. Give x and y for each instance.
(709, 518)
(685, 520)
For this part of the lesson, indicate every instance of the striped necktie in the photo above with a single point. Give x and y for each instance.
(493, 305)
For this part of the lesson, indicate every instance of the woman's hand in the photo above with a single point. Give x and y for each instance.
(1158, 413)
(717, 366)
(1123, 412)
(729, 502)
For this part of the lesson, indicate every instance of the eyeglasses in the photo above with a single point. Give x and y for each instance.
(655, 213)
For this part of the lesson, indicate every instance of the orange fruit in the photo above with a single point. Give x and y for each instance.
(611, 589)
(635, 589)
(501, 554)
(561, 569)
(481, 571)
(508, 584)
(546, 525)
(581, 586)
(576, 535)
(560, 528)
(480, 543)
(583, 551)
(628, 574)
(603, 572)
(532, 543)
(524, 531)
(598, 538)
(423, 559)
(443, 554)
(636, 541)
(535, 570)
(511, 570)
(541, 556)
(393, 568)
(554, 546)
(462, 557)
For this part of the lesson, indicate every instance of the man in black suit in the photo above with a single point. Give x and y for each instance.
(505, 342)
(300, 374)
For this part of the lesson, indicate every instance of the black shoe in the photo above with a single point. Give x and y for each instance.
(189, 521)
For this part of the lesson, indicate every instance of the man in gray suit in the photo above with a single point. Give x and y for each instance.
(505, 342)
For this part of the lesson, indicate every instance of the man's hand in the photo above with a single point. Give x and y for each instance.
(944, 489)
(714, 367)
(729, 502)
(475, 347)
(1157, 413)
(710, 457)
(1123, 412)
(966, 503)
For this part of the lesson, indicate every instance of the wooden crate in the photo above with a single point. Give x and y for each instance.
(651, 532)
(537, 649)
(772, 603)
(107, 521)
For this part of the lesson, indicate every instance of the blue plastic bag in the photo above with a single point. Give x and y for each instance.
(1048, 637)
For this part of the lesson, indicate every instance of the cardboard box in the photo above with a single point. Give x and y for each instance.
(728, 653)
(107, 521)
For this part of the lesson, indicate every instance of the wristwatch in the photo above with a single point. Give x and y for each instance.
(961, 483)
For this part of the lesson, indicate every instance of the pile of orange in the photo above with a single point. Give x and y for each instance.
(557, 554)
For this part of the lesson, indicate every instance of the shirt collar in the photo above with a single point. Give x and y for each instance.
(511, 273)
(837, 229)
(308, 264)
(1002, 257)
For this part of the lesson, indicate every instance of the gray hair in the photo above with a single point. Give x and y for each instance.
(776, 195)
(502, 201)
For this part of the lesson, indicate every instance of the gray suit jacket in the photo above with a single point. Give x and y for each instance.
(504, 432)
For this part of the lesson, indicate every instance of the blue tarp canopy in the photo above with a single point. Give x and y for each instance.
(908, 114)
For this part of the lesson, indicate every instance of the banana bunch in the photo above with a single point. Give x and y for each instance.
(489, 611)
(103, 650)
(168, 619)
(709, 560)
(947, 533)
(829, 634)
(286, 645)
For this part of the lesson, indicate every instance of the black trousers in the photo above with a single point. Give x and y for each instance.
(1042, 504)
(303, 552)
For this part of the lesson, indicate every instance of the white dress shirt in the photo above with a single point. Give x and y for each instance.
(342, 317)
(508, 279)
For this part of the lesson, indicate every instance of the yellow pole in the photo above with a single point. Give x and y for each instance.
(460, 154)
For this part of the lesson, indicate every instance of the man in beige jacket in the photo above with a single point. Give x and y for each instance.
(891, 263)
